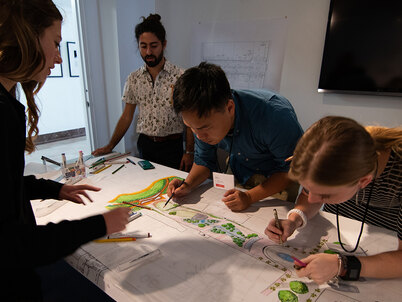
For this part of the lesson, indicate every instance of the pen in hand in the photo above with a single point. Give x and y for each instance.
(278, 225)
(173, 193)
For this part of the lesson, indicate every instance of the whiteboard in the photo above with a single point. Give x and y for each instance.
(250, 52)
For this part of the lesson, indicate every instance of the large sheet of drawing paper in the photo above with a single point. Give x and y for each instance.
(205, 252)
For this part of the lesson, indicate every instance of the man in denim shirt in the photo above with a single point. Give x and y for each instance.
(258, 128)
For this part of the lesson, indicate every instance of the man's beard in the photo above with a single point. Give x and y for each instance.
(155, 62)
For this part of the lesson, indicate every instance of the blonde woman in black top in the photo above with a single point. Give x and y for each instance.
(30, 32)
(355, 172)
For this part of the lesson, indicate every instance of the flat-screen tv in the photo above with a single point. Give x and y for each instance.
(363, 48)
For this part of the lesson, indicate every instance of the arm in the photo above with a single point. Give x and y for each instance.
(237, 200)
(276, 183)
(323, 267)
(198, 174)
(280, 142)
(384, 265)
(294, 220)
(188, 156)
(122, 125)
(309, 209)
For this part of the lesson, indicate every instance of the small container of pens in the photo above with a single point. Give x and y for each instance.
(73, 172)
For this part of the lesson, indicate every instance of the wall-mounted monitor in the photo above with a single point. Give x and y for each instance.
(363, 48)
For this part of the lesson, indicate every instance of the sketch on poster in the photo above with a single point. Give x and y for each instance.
(250, 52)
(245, 63)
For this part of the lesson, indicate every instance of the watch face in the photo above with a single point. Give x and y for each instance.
(353, 268)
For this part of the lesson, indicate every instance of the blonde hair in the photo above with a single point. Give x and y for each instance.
(339, 151)
(22, 22)
(386, 138)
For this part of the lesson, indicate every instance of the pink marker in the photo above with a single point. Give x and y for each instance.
(301, 263)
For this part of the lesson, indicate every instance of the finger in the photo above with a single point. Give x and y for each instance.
(303, 272)
(178, 192)
(86, 187)
(229, 192)
(229, 198)
(308, 259)
(271, 235)
(77, 199)
(233, 205)
(276, 236)
(267, 231)
(171, 187)
(86, 195)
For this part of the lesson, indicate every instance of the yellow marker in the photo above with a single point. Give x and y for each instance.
(116, 239)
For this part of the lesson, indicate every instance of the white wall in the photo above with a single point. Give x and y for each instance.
(111, 54)
(109, 42)
(129, 14)
(61, 100)
(307, 22)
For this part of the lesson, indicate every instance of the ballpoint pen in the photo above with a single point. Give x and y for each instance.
(131, 161)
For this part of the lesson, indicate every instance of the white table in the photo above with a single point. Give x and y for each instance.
(195, 264)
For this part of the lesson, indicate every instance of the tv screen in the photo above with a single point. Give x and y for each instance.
(363, 48)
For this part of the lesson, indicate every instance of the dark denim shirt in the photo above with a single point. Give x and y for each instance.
(265, 133)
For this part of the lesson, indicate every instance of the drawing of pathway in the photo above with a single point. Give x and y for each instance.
(143, 197)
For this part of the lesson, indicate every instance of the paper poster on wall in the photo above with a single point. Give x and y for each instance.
(73, 59)
(251, 53)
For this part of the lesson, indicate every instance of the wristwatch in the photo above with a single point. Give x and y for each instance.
(353, 267)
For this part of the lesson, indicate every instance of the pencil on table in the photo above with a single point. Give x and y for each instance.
(115, 239)
(137, 205)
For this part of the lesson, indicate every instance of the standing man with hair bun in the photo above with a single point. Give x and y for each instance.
(151, 88)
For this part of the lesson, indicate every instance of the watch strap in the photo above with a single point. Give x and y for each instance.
(353, 268)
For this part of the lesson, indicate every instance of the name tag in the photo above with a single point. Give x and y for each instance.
(223, 181)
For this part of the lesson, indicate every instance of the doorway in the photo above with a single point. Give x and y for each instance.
(63, 123)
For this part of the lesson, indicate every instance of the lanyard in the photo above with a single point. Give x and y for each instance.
(363, 220)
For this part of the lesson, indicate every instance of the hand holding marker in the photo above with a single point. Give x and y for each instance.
(278, 225)
(173, 193)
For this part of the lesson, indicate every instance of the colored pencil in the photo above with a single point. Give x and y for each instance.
(123, 239)
(118, 169)
(100, 170)
(301, 263)
(137, 205)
